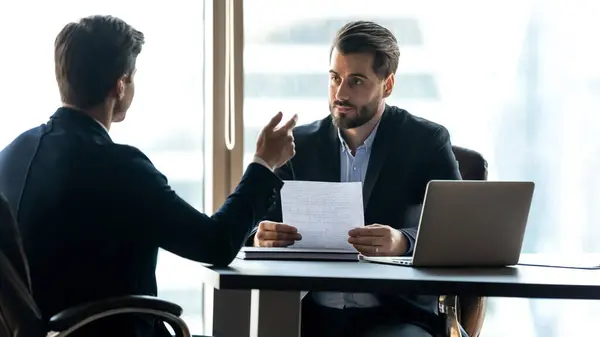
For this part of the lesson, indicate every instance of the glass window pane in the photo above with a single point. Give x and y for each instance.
(165, 120)
(525, 94)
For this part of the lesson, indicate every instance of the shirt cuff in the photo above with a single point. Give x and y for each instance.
(261, 161)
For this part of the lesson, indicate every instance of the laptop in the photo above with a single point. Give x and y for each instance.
(467, 223)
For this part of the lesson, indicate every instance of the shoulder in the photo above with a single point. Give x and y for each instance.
(26, 139)
(130, 165)
(313, 129)
(126, 154)
(415, 127)
(313, 132)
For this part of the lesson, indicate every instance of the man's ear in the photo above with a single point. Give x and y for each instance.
(388, 86)
(120, 88)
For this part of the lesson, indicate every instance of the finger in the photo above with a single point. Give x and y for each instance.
(277, 227)
(276, 243)
(292, 150)
(367, 240)
(368, 231)
(274, 122)
(289, 125)
(375, 225)
(370, 250)
(272, 235)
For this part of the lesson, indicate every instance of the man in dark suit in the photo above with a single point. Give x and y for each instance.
(93, 213)
(395, 155)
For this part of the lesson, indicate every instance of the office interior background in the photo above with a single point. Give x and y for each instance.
(517, 80)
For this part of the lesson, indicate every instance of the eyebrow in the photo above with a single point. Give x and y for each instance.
(352, 74)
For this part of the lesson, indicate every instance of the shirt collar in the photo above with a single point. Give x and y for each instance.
(368, 143)
(78, 118)
(102, 125)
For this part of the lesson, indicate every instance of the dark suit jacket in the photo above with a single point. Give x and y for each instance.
(407, 153)
(93, 214)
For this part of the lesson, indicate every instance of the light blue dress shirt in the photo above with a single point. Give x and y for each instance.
(352, 168)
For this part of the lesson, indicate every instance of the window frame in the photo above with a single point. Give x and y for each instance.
(224, 92)
(224, 124)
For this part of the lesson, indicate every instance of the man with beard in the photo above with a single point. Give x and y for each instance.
(394, 154)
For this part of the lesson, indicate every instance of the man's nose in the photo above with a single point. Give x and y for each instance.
(342, 92)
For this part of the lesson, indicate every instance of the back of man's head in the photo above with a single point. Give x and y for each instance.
(91, 56)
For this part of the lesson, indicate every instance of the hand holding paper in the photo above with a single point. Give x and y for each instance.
(378, 240)
(322, 212)
(275, 234)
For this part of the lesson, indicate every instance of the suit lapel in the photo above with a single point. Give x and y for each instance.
(379, 151)
(329, 148)
(329, 154)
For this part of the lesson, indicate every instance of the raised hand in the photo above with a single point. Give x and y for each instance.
(275, 145)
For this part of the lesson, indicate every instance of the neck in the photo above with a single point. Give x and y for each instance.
(356, 136)
(99, 114)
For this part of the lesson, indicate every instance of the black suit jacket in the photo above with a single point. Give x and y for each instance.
(407, 153)
(93, 214)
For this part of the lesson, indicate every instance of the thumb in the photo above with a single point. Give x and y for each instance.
(274, 122)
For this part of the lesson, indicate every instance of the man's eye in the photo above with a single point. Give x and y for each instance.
(356, 81)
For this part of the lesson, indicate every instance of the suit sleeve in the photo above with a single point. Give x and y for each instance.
(285, 172)
(176, 226)
(439, 164)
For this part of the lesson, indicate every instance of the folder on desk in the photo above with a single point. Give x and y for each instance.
(288, 253)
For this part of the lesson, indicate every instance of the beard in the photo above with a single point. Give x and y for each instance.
(363, 114)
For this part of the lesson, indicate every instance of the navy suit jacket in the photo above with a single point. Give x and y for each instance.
(407, 153)
(93, 214)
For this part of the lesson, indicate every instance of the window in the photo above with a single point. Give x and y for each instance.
(319, 31)
(524, 94)
(166, 119)
(261, 86)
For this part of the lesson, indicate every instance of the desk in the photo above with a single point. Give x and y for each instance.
(263, 297)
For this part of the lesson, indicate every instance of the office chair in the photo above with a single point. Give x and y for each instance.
(20, 316)
(469, 311)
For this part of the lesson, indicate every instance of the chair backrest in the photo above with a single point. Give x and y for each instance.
(471, 164)
(19, 315)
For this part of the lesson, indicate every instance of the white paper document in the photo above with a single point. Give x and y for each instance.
(323, 212)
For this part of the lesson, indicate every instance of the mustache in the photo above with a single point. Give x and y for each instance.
(343, 104)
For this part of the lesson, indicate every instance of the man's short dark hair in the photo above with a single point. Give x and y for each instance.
(91, 55)
(369, 37)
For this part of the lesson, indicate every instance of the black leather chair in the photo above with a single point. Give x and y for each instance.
(20, 317)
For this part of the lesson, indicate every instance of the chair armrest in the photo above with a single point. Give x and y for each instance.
(472, 312)
(72, 316)
(447, 308)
